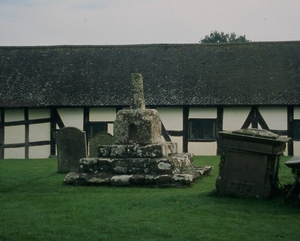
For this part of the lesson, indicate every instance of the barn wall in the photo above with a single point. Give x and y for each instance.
(234, 117)
(110, 129)
(14, 134)
(205, 113)
(297, 113)
(14, 153)
(275, 117)
(38, 113)
(178, 140)
(203, 148)
(39, 151)
(297, 143)
(14, 115)
(296, 148)
(72, 117)
(39, 132)
(103, 115)
(172, 118)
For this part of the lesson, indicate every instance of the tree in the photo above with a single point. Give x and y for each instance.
(220, 37)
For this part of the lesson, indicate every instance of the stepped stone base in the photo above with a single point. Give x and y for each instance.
(175, 170)
(134, 150)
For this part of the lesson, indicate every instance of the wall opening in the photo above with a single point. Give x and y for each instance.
(132, 132)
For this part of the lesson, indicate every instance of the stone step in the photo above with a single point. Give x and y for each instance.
(164, 149)
(160, 180)
(167, 165)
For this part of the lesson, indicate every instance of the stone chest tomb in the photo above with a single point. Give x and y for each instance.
(249, 162)
(138, 156)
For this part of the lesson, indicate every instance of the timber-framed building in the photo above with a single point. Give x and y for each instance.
(198, 90)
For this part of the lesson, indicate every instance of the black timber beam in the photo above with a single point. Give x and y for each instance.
(2, 133)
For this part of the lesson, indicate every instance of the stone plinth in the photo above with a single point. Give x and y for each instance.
(137, 126)
(174, 170)
(135, 151)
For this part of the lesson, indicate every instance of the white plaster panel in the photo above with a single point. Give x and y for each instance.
(14, 115)
(234, 117)
(177, 139)
(203, 148)
(171, 118)
(39, 151)
(14, 134)
(297, 113)
(38, 113)
(296, 148)
(39, 132)
(208, 113)
(14, 153)
(275, 117)
(102, 114)
(72, 117)
(110, 129)
(285, 153)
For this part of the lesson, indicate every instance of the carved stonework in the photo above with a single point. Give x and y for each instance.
(137, 157)
(138, 100)
(137, 125)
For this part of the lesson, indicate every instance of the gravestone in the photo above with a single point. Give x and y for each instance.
(101, 138)
(71, 147)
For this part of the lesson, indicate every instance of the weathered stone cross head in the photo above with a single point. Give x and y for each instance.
(137, 125)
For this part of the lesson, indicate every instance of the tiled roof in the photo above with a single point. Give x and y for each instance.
(255, 73)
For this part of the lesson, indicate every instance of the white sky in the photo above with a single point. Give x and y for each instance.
(101, 22)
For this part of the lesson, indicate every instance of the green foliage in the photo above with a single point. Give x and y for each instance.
(36, 205)
(221, 37)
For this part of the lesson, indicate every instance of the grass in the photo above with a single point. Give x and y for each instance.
(36, 205)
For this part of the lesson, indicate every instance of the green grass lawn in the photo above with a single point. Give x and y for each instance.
(36, 205)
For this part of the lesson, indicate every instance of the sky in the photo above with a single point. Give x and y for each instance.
(123, 22)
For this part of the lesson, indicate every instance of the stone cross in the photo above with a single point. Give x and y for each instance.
(138, 101)
(137, 125)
